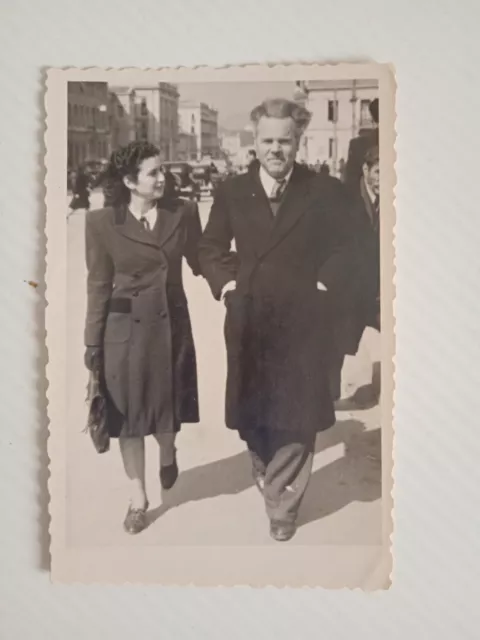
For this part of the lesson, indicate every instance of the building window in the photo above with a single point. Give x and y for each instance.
(333, 110)
(331, 147)
(365, 117)
(143, 107)
(192, 124)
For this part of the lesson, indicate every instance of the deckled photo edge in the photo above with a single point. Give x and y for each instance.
(55, 157)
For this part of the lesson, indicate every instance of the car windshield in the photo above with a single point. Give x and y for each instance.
(177, 168)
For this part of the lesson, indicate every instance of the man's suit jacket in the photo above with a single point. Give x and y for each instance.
(278, 325)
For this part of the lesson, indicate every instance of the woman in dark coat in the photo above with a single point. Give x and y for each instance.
(138, 325)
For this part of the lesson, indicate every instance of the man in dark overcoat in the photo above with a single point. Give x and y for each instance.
(292, 258)
(361, 299)
(357, 149)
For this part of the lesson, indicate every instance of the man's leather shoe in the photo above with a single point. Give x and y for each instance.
(282, 531)
(169, 474)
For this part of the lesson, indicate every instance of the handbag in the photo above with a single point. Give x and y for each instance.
(97, 412)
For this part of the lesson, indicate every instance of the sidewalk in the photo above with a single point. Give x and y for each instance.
(215, 501)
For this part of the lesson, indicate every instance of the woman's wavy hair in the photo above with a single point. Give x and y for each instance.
(282, 108)
(125, 161)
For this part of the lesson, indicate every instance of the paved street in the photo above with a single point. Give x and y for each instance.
(214, 501)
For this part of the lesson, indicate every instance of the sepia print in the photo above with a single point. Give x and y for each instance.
(220, 325)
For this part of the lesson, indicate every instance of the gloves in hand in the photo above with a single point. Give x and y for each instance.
(93, 358)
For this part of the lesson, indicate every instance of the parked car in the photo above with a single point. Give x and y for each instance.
(187, 186)
(209, 176)
(203, 177)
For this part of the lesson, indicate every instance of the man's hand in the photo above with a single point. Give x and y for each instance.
(230, 286)
(321, 286)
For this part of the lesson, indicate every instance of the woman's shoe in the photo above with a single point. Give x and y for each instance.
(135, 520)
(169, 474)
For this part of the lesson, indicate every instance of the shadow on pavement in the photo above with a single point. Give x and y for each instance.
(222, 477)
(366, 396)
(356, 476)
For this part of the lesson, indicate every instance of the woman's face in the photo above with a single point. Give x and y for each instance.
(150, 183)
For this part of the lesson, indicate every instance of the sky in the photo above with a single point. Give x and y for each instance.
(234, 100)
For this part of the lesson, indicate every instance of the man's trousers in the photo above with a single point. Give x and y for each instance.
(283, 460)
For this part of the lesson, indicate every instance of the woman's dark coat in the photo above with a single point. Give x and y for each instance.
(278, 327)
(137, 310)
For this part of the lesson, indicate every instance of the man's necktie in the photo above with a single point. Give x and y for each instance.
(376, 210)
(277, 190)
(145, 222)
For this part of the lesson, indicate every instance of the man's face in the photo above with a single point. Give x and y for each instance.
(372, 177)
(276, 142)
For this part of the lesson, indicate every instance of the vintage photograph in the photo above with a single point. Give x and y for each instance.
(226, 329)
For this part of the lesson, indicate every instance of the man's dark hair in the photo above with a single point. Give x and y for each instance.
(373, 108)
(372, 157)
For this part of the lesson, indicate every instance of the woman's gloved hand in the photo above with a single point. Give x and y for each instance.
(93, 358)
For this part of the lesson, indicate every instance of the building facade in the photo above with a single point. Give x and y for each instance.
(187, 147)
(121, 116)
(201, 121)
(146, 113)
(236, 145)
(340, 112)
(88, 124)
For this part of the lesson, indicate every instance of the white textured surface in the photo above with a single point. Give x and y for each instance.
(435, 48)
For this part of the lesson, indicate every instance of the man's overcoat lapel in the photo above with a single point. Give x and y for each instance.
(270, 230)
